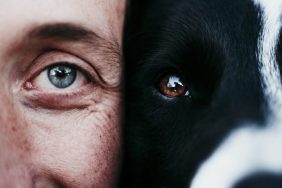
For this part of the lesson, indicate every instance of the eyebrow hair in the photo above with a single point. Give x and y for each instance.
(66, 31)
(75, 33)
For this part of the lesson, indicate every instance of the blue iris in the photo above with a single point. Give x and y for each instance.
(62, 76)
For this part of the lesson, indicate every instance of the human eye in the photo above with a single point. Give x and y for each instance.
(58, 79)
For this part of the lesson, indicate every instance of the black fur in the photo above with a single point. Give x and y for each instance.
(213, 44)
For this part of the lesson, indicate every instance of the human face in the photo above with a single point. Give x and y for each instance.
(59, 92)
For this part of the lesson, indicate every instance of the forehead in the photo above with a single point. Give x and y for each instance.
(17, 16)
(235, 26)
(230, 24)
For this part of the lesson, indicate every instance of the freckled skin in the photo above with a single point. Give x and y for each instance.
(75, 146)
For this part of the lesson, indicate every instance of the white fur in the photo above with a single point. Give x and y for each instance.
(252, 149)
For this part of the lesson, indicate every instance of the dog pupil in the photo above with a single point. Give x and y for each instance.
(171, 85)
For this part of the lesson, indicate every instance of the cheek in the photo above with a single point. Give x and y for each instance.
(78, 147)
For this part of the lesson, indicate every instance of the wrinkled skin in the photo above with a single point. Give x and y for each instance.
(60, 137)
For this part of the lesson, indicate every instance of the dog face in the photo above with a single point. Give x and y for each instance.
(203, 94)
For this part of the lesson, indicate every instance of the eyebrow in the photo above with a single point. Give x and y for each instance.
(65, 31)
(74, 33)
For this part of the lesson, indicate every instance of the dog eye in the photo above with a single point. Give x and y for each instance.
(173, 85)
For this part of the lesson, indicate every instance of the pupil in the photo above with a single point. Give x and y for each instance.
(61, 73)
(62, 76)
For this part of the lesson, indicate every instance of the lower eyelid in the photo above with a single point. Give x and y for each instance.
(88, 95)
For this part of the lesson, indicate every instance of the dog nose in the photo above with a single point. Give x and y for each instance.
(261, 180)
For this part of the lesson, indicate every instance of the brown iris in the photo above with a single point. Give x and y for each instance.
(171, 85)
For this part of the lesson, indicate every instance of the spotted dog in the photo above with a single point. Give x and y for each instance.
(203, 94)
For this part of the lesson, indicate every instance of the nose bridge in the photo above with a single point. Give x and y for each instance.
(11, 128)
(14, 170)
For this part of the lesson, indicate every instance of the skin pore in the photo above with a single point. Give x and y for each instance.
(60, 93)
